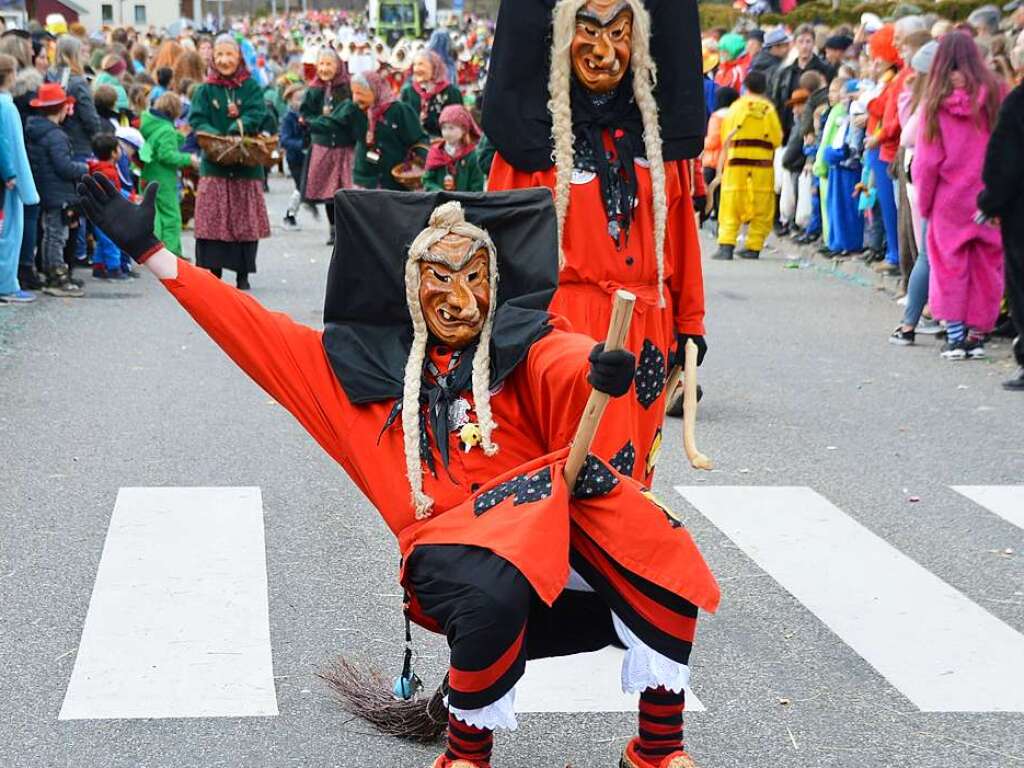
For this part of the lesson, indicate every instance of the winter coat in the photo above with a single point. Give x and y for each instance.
(1003, 175)
(83, 123)
(793, 157)
(209, 113)
(787, 80)
(293, 140)
(450, 95)
(328, 129)
(324, 130)
(105, 78)
(468, 176)
(397, 132)
(765, 62)
(966, 257)
(54, 170)
(161, 154)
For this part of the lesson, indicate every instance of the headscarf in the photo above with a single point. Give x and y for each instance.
(458, 115)
(383, 98)
(341, 78)
(240, 75)
(438, 82)
(441, 44)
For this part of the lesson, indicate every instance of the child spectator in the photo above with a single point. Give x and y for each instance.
(105, 99)
(164, 75)
(106, 258)
(294, 139)
(112, 70)
(452, 162)
(161, 156)
(55, 174)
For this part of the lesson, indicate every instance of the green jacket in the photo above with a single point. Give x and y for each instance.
(210, 113)
(450, 95)
(397, 133)
(161, 154)
(328, 130)
(105, 78)
(828, 134)
(468, 176)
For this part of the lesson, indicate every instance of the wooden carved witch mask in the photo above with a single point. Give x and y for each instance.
(602, 45)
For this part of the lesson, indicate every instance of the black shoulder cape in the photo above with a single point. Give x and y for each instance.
(367, 330)
(515, 112)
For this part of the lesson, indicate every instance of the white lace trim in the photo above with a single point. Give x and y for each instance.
(643, 667)
(500, 714)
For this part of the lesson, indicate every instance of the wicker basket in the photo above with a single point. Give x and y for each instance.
(409, 172)
(229, 150)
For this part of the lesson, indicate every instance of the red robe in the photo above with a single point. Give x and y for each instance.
(594, 269)
(537, 409)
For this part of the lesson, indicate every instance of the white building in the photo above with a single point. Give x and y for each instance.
(141, 14)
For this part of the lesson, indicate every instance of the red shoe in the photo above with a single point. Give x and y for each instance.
(444, 762)
(630, 759)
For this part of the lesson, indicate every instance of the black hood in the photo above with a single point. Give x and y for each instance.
(367, 330)
(515, 112)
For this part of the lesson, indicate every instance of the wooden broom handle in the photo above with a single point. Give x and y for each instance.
(622, 313)
(697, 459)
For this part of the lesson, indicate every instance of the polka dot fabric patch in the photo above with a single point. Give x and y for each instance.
(650, 374)
(624, 461)
(526, 489)
(595, 479)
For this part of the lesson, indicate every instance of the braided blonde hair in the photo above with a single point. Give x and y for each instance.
(447, 219)
(645, 77)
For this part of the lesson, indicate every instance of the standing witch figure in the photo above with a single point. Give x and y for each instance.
(231, 215)
(438, 351)
(619, 147)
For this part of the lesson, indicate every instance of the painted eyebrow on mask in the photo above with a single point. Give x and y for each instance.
(585, 14)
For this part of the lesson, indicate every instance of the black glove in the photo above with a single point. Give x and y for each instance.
(699, 204)
(679, 357)
(129, 226)
(611, 372)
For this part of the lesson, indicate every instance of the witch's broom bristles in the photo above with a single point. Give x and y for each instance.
(367, 694)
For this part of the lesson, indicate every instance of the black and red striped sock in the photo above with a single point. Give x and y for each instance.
(466, 742)
(661, 723)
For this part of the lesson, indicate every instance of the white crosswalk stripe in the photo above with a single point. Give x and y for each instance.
(178, 623)
(940, 649)
(1007, 501)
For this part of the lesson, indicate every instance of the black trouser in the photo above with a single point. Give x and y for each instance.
(1013, 245)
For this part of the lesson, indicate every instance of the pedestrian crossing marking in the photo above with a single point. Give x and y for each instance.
(1007, 501)
(941, 650)
(178, 623)
(584, 682)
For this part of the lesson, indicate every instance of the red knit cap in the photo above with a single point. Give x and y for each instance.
(881, 46)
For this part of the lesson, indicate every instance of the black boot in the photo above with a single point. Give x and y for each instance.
(29, 278)
(724, 253)
(1016, 384)
(748, 254)
(242, 281)
(330, 237)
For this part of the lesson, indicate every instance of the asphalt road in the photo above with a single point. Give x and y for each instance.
(121, 389)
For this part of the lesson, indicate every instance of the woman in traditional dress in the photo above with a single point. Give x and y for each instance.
(231, 215)
(331, 143)
(385, 130)
(429, 90)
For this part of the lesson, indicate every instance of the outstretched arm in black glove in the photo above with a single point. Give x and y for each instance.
(130, 226)
(679, 356)
(611, 372)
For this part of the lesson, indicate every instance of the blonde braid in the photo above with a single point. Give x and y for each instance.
(482, 367)
(560, 106)
(645, 77)
(411, 392)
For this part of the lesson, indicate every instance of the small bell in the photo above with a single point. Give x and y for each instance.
(406, 686)
(449, 182)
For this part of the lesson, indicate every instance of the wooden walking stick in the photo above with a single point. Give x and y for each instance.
(697, 459)
(622, 313)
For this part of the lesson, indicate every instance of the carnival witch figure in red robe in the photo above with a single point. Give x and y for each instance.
(592, 127)
(428, 365)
